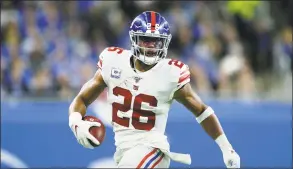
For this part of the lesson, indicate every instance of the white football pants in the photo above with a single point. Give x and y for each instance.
(141, 156)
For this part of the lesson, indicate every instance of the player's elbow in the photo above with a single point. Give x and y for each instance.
(82, 100)
(77, 103)
(200, 109)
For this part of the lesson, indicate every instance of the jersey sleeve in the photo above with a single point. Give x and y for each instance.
(184, 77)
(101, 65)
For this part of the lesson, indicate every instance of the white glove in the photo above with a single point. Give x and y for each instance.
(80, 128)
(231, 158)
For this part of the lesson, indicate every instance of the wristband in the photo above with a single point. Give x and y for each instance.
(209, 111)
(223, 142)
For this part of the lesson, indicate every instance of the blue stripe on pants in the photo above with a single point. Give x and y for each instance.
(153, 159)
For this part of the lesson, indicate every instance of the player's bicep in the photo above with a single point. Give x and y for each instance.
(93, 88)
(186, 96)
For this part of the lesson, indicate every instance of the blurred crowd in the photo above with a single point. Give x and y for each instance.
(233, 48)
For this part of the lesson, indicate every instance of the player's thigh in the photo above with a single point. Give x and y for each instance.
(144, 157)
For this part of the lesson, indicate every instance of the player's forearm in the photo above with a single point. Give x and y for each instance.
(77, 110)
(78, 105)
(210, 123)
(89, 92)
(212, 126)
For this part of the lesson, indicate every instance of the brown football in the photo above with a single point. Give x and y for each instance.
(98, 132)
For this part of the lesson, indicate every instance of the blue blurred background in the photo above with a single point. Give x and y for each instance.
(239, 53)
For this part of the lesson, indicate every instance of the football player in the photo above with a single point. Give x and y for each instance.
(141, 85)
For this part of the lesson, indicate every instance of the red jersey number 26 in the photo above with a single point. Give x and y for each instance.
(137, 111)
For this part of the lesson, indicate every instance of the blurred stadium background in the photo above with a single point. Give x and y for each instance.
(239, 53)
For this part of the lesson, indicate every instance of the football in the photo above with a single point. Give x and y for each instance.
(98, 132)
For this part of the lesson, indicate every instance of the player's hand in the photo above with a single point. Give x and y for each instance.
(80, 129)
(231, 158)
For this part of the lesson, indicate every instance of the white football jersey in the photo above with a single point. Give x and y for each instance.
(140, 100)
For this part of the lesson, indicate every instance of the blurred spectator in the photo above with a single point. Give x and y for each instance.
(283, 56)
(41, 82)
(235, 72)
(16, 81)
(4, 77)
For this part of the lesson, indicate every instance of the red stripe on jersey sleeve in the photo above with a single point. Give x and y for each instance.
(184, 72)
(184, 77)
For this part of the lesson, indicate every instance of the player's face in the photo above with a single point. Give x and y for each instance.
(150, 45)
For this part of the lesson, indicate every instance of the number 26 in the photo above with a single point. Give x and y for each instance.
(137, 111)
